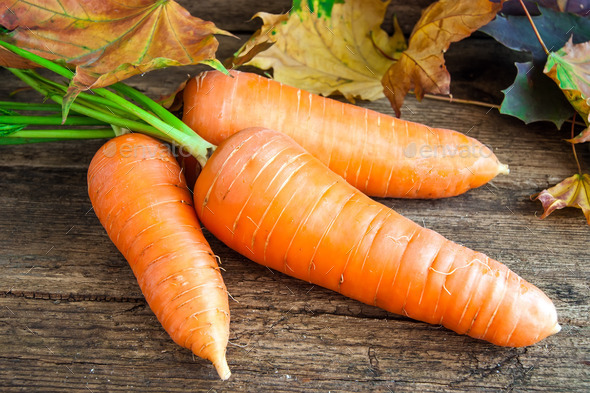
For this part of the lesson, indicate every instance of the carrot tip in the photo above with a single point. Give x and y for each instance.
(222, 369)
(503, 169)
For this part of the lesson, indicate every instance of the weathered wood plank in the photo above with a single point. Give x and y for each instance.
(316, 341)
(121, 347)
(69, 299)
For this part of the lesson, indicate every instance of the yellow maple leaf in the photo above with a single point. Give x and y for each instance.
(343, 50)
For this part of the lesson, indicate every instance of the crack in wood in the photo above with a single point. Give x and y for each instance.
(517, 370)
(70, 297)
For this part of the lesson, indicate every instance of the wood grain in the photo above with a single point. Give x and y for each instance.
(72, 317)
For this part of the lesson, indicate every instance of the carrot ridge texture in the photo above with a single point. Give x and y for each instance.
(141, 198)
(267, 198)
(379, 154)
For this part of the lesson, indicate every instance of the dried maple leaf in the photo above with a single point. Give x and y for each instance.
(422, 65)
(582, 137)
(9, 59)
(569, 67)
(109, 40)
(327, 47)
(260, 41)
(571, 192)
(174, 101)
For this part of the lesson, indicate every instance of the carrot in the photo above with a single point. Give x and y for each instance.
(189, 166)
(379, 154)
(141, 198)
(267, 198)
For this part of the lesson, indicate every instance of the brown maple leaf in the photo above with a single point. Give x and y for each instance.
(109, 40)
(571, 192)
(174, 101)
(583, 136)
(422, 65)
(9, 59)
(261, 40)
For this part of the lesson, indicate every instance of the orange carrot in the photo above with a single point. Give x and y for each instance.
(267, 198)
(190, 167)
(378, 154)
(141, 198)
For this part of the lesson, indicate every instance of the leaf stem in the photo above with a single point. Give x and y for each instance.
(108, 109)
(461, 101)
(574, 146)
(196, 145)
(476, 103)
(526, 11)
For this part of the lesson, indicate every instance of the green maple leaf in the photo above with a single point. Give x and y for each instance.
(533, 97)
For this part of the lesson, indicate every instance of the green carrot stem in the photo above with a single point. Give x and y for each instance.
(106, 118)
(31, 107)
(150, 104)
(196, 145)
(129, 124)
(58, 69)
(193, 143)
(96, 103)
(90, 100)
(190, 140)
(100, 133)
(51, 120)
(25, 106)
(23, 141)
(50, 65)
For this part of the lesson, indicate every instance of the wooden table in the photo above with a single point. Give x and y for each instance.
(72, 316)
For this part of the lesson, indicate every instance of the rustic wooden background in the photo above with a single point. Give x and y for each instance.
(73, 318)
